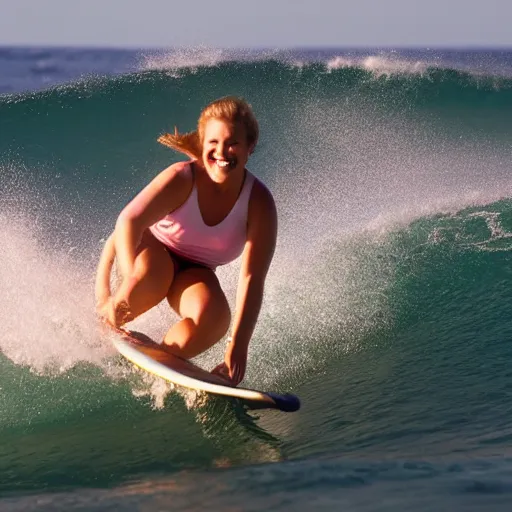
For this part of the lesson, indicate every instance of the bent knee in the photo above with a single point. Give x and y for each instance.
(213, 323)
(188, 338)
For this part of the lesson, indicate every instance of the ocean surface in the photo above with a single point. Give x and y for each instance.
(388, 307)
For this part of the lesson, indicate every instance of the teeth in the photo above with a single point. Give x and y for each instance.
(222, 163)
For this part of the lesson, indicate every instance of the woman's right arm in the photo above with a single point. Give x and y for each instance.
(164, 194)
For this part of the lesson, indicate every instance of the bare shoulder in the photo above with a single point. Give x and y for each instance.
(164, 194)
(177, 174)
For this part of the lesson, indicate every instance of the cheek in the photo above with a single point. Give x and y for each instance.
(243, 154)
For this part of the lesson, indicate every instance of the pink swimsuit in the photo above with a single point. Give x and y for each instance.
(184, 232)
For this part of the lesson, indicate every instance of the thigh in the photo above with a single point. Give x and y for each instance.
(153, 275)
(153, 261)
(196, 294)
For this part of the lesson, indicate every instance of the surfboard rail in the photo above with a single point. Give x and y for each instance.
(141, 351)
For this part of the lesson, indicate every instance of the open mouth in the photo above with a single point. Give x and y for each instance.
(222, 163)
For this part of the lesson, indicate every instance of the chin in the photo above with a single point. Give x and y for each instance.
(219, 177)
(220, 174)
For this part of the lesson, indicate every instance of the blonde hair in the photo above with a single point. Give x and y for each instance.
(230, 109)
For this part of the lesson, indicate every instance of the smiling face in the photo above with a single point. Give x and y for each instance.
(225, 149)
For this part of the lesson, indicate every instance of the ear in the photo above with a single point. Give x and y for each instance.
(252, 147)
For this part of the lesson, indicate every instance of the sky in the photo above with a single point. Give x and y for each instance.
(256, 23)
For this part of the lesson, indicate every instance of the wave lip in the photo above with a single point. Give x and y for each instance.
(380, 65)
(380, 62)
(184, 57)
(204, 56)
(193, 57)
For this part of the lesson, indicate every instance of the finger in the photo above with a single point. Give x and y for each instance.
(220, 369)
(235, 374)
(216, 369)
(122, 313)
(220, 372)
(241, 373)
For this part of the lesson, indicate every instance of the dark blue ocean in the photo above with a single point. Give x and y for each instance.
(387, 308)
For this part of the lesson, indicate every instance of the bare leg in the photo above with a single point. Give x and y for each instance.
(154, 273)
(197, 297)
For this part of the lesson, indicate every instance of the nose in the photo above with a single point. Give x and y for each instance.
(221, 150)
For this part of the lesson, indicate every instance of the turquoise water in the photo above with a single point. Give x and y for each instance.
(387, 308)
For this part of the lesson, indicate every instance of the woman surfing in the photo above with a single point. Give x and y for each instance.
(193, 217)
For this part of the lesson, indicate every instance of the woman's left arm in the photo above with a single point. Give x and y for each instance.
(256, 259)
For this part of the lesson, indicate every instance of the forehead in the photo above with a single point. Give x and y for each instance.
(216, 128)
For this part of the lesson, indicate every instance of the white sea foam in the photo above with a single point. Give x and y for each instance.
(194, 57)
(46, 305)
(380, 65)
(183, 57)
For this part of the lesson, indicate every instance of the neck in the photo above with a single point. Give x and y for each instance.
(232, 184)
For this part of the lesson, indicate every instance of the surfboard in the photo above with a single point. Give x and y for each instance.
(145, 353)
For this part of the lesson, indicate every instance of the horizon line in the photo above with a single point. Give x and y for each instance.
(258, 48)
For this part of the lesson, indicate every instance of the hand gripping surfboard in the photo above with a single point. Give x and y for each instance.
(143, 352)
